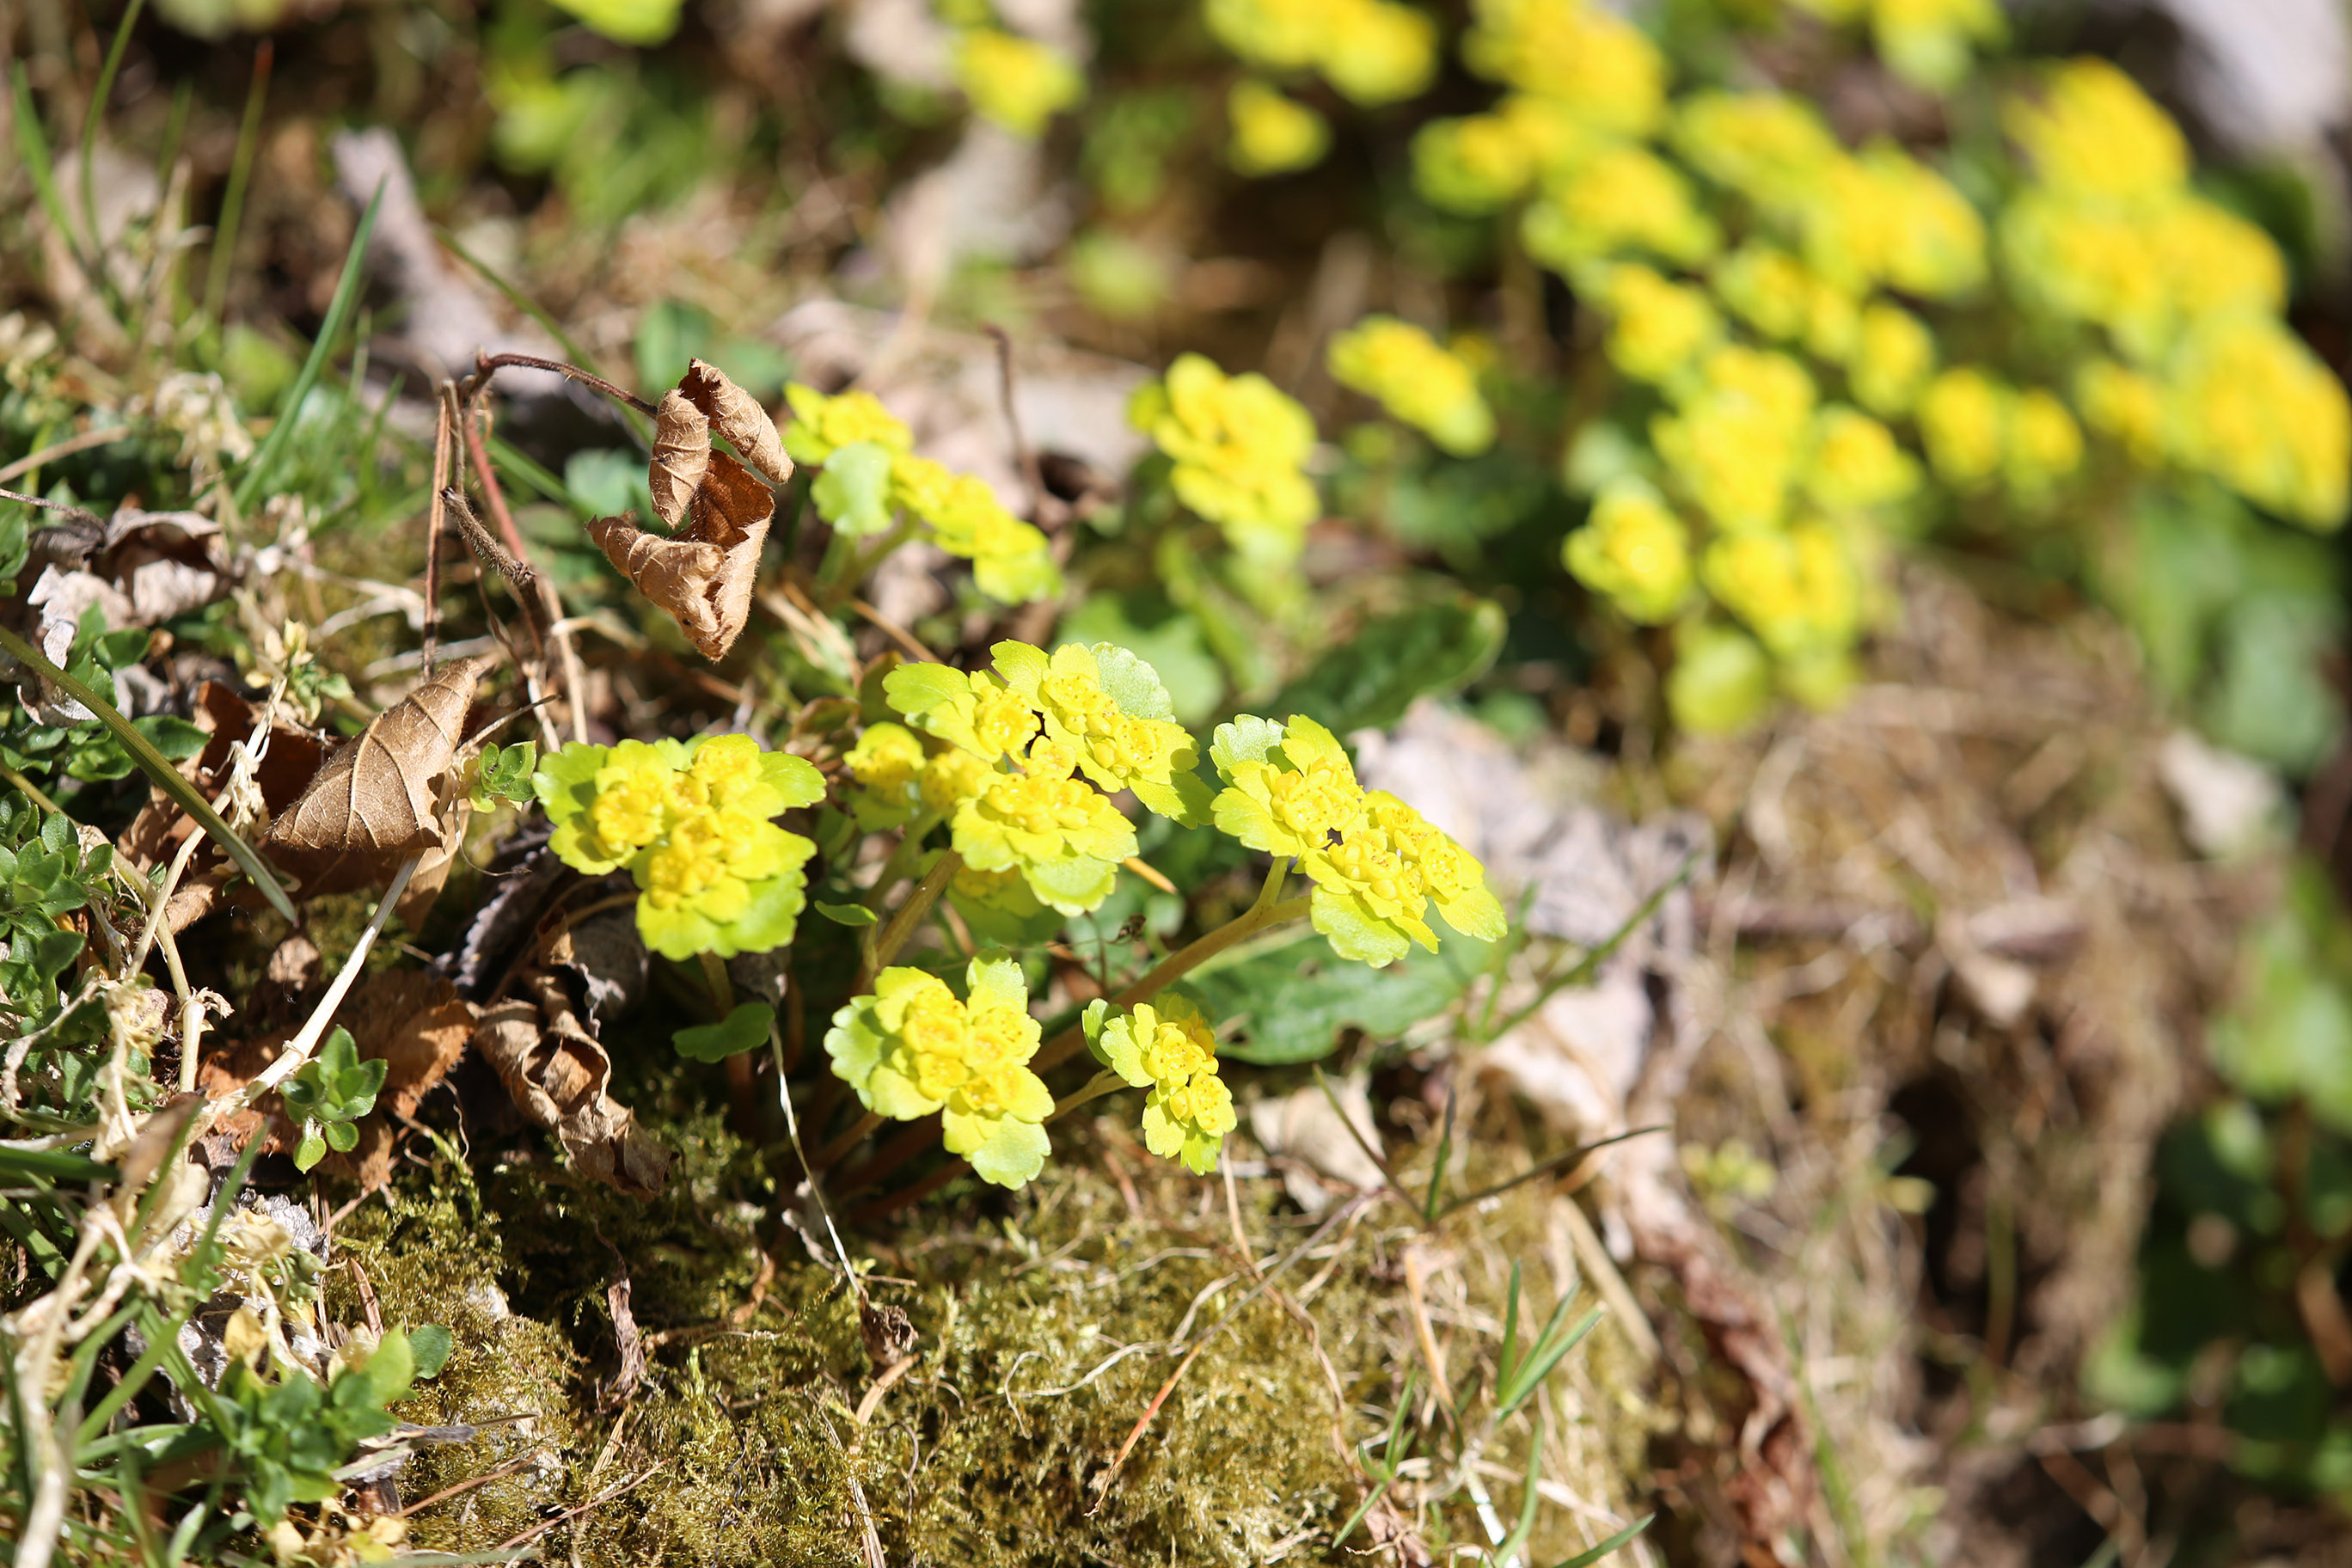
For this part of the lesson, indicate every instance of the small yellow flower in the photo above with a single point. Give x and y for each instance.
(1064, 836)
(910, 1047)
(1598, 64)
(1856, 463)
(1015, 82)
(1797, 590)
(1893, 356)
(1620, 199)
(1239, 447)
(1416, 380)
(1167, 1047)
(974, 710)
(1452, 878)
(2094, 133)
(822, 424)
(691, 823)
(2044, 446)
(1292, 798)
(1885, 218)
(1771, 147)
(635, 801)
(951, 778)
(888, 764)
(1635, 552)
(2255, 408)
(1109, 707)
(1929, 42)
(1657, 329)
(1964, 421)
(1381, 52)
(1272, 134)
(2125, 406)
(1736, 444)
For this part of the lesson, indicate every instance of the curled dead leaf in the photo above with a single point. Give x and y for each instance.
(704, 575)
(381, 793)
(681, 457)
(736, 415)
(559, 1075)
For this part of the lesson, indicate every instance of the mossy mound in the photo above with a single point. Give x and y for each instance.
(1046, 1326)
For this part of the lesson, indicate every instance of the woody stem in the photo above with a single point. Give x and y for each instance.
(910, 914)
(1270, 909)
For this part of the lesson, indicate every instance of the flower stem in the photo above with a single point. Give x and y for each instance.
(910, 914)
(902, 858)
(1102, 1083)
(851, 1136)
(1270, 909)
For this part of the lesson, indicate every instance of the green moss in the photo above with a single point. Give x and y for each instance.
(1044, 1326)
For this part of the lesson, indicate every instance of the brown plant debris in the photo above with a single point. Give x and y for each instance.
(559, 1075)
(736, 415)
(703, 576)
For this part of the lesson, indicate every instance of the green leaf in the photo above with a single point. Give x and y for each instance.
(853, 493)
(311, 1150)
(430, 1344)
(746, 1026)
(1293, 1000)
(1166, 638)
(391, 1370)
(1247, 738)
(1368, 681)
(343, 1137)
(847, 914)
(159, 770)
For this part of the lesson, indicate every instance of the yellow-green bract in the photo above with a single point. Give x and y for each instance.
(690, 822)
(909, 1048)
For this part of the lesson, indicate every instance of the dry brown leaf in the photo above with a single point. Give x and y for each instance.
(703, 576)
(412, 1020)
(290, 762)
(558, 1075)
(681, 457)
(381, 792)
(736, 415)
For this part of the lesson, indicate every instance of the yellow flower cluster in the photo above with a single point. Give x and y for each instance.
(691, 823)
(1013, 81)
(870, 470)
(1658, 328)
(1239, 447)
(1634, 552)
(1416, 379)
(1272, 134)
(1737, 440)
(1167, 1047)
(1373, 51)
(1048, 737)
(1976, 429)
(911, 1049)
(2109, 234)
(1930, 43)
(1377, 865)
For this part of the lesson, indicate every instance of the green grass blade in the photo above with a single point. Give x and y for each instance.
(34, 146)
(54, 1163)
(90, 124)
(1587, 1557)
(1548, 1353)
(339, 315)
(164, 775)
(240, 170)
